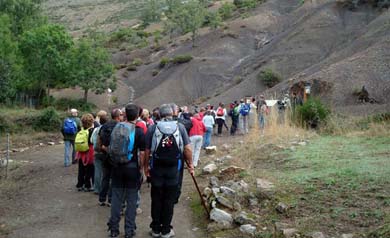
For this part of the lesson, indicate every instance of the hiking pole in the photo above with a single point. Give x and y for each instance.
(200, 194)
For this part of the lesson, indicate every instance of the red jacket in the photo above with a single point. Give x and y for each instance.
(198, 128)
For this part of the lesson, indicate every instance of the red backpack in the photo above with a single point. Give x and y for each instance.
(220, 112)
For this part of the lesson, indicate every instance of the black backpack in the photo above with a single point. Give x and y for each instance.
(105, 132)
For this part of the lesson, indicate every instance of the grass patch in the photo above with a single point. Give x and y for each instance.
(198, 212)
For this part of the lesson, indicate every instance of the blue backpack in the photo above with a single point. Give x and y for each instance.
(70, 126)
(244, 111)
(122, 143)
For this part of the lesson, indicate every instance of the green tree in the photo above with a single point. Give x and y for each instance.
(214, 20)
(91, 68)
(152, 12)
(45, 50)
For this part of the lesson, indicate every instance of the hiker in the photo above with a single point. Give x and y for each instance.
(220, 118)
(141, 123)
(85, 154)
(127, 143)
(105, 137)
(244, 110)
(209, 123)
(100, 114)
(168, 144)
(252, 113)
(146, 118)
(156, 115)
(69, 129)
(234, 114)
(262, 111)
(196, 137)
(98, 153)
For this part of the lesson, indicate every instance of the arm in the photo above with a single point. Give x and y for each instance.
(145, 160)
(188, 158)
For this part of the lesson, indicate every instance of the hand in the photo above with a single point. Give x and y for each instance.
(191, 170)
(147, 171)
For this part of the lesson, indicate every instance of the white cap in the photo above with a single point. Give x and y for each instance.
(73, 111)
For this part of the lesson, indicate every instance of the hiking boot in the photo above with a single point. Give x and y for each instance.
(154, 234)
(114, 233)
(169, 235)
(130, 235)
(102, 204)
(74, 161)
(80, 189)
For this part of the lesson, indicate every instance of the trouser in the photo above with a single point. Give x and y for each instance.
(244, 124)
(220, 122)
(98, 173)
(207, 137)
(163, 199)
(129, 195)
(234, 125)
(84, 178)
(69, 148)
(196, 144)
(106, 186)
(180, 183)
(261, 121)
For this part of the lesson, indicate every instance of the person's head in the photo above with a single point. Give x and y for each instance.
(166, 111)
(132, 112)
(242, 100)
(185, 109)
(175, 109)
(202, 109)
(73, 112)
(116, 114)
(87, 121)
(103, 119)
(253, 99)
(221, 105)
(156, 114)
(208, 113)
(145, 115)
(140, 110)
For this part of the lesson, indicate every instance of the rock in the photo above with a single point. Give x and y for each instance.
(240, 186)
(241, 142)
(281, 207)
(242, 218)
(41, 144)
(224, 159)
(317, 234)
(279, 226)
(264, 185)
(231, 171)
(216, 191)
(215, 226)
(226, 147)
(253, 202)
(347, 236)
(227, 191)
(302, 143)
(208, 169)
(289, 232)
(207, 192)
(214, 181)
(211, 150)
(225, 202)
(51, 143)
(214, 204)
(220, 216)
(61, 142)
(248, 229)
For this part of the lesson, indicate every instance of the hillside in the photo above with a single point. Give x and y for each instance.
(337, 49)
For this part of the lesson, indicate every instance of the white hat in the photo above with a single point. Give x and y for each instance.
(73, 110)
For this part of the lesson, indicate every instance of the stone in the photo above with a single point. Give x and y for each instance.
(289, 232)
(220, 216)
(317, 234)
(51, 143)
(208, 169)
(227, 191)
(214, 181)
(248, 229)
(41, 144)
(302, 143)
(216, 191)
(224, 159)
(242, 218)
(347, 236)
(237, 206)
(281, 207)
(218, 226)
(61, 142)
(211, 150)
(225, 202)
(264, 185)
(207, 192)
(226, 147)
(241, 142)
(214, 204)
(240, 186)
(279, 226)
(253, 202)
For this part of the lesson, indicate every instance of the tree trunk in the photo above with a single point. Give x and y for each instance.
(86, 95)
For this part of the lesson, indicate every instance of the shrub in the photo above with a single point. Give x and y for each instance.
(137, 62)
(181, 59)
(155, 72)
(269, 78)
(64, 104)
(312, 113)
(226, 10)
(245, 3)
(164, 62)
(48, 120)
(132, 67)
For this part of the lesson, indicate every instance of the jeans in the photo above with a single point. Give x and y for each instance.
(243, 123)
(207, 137)
(220, 123)
(261, 121)
(163, 199)
(196, 144)
(106, 187)
(69, 148)
(85, 175)
(98, 173)
(233, 128)
(180, 183)
(119, 195)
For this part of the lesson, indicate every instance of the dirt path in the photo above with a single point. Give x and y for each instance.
(46, 203)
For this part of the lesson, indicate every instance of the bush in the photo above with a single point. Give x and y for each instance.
(164, 62)
(48, 120)
(312, 113)
(155, 72)
(137, 62)
(64, 104)
(246, 3)
(226, 10)
(132, 67)
(181, 59)
(269, 78)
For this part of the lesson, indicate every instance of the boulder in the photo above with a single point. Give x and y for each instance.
(220, 216)
(216, 191)
(227, 191)
(316, 234)
(242, 218)
(214, 181)
(264, 185)
(208, 169)
(225, 202)
(281, 207)
(248, 229)
(211, 150)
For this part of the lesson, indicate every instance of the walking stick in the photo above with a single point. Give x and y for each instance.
(200, 194)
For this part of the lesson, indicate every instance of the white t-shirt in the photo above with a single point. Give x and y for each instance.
(221, 117)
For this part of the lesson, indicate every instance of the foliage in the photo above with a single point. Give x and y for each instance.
(313, 112)
(91, 68)
(137, 62)
(152, 12)
(45, 51)
(48, 120)
(213, 19)
(181, 59)
(164, 62)
(226, 10)
(352, 4)
(135, 38)
(246, 3)
(64, 104)
(269, 78)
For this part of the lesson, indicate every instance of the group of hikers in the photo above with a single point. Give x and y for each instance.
(115, 156)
